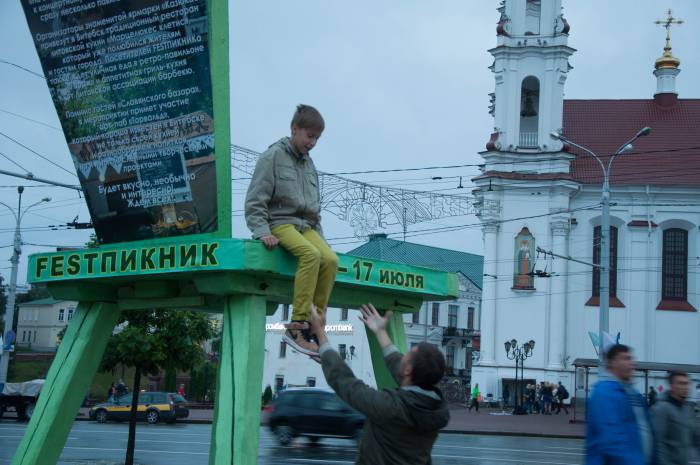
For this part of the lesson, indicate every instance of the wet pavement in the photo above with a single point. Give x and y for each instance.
(188, 444)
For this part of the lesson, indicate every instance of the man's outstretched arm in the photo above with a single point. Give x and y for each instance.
(377, 324)
(378, 405)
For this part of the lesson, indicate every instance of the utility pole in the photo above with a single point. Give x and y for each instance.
(604, 312)
(17, 251)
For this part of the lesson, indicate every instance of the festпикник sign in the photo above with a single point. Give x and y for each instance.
(131, 83)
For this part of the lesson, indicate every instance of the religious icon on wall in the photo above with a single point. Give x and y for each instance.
(524, 256)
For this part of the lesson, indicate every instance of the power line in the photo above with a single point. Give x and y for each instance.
(30, 119)
(14, 162)
(38, 154)
(23, 68)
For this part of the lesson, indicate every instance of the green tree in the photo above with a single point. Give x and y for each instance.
(151, 341)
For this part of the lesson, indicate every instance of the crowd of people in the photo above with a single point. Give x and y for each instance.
(545, 398)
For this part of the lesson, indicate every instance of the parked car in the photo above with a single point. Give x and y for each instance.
(20, 397)
(311, 412)
(153, 407)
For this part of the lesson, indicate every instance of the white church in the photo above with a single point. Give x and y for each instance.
(538, 192)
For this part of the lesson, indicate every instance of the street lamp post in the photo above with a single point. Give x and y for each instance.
(519, 354)
(17, 250)
(604, 311)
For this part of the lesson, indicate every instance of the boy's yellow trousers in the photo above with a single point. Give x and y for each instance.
(316, 271)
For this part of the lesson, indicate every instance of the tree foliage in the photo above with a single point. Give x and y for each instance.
(152, 341)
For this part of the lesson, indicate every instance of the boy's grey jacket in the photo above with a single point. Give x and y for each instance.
(284, 190)
(677, 430)
(402, 424)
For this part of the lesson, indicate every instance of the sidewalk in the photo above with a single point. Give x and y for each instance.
(463, 422)
(498, 423)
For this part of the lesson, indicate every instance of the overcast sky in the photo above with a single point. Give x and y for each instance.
(401, 84)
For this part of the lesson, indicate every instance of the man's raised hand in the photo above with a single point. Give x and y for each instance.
(318, 325)
(373, 320)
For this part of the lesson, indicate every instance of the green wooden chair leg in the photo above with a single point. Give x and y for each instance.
(397, 334)
(76, 362)
(221, 446)
(240, 378)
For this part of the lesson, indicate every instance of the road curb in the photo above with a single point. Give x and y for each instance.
(514, 433)
(447, 431)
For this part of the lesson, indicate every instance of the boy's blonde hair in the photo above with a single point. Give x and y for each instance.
(307, 117)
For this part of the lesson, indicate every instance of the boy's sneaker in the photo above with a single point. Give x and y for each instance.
(299, 337)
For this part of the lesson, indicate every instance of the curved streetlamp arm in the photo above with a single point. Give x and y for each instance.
(642, 132)
(33, 205)
(589, 152)
(9, 208)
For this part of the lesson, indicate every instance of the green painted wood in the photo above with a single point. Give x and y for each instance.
(174, 302)
(280, 290)
(196, 259)
(239, 381)
(397, 334)
(220, 87)
(248, 318)
(70, 290)
(221, 445)
(155, 288)
(76, 362)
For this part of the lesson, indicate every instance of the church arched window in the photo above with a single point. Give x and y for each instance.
(674, 268)
(613, 262)
(529, 112)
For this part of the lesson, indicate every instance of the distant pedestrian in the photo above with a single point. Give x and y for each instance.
(561, 395)
(121, 388)
(506, 395)
(530, 398)
(539, 406)
(674, 422)
(618, 425)
(475, 398)
(651, 396)
(547, 394)
(111, 392)
(181, 390)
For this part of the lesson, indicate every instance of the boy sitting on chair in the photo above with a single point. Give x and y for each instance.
(283, 206)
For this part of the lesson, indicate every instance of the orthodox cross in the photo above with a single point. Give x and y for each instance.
(670, 20)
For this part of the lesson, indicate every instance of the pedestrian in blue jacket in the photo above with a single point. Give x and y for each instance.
(618, 425)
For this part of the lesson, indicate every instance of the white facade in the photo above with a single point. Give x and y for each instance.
(558, 311)
(40, 321)
(286, 367)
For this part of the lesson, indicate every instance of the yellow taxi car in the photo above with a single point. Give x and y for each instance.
(153, 407)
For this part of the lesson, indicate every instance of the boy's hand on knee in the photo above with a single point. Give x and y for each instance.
(318, 325)
(270, 241)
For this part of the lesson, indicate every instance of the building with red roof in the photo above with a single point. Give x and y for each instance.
(541, 195)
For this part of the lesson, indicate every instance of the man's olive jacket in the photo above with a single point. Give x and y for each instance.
(402, 424)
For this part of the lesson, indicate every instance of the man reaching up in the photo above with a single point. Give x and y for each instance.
(402, 423)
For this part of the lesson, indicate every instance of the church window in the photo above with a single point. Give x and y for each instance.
(529, 111)
(613, 261)
(674, 284)
(533, 11)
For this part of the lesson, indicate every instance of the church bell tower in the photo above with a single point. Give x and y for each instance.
(531, 64)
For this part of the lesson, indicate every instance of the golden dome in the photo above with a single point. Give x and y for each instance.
(667, 60)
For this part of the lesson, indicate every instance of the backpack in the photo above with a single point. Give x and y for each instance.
(563, 393)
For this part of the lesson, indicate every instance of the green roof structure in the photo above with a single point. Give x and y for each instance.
(46, 301)
(380, 247)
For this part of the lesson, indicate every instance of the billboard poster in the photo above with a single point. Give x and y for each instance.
(131, 82)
